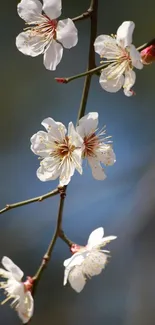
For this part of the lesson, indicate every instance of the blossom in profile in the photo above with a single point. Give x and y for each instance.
(87, 261)
(60, 153)
(96, 146)
(122, 57)
(16, 290)
(148, 54)
(44, 34)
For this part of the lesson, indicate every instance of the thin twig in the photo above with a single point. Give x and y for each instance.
(48, 253)
(35, 199)
(86, 73)
(84, 15)
(142, 47)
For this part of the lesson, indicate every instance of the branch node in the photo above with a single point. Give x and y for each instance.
(46, 259)
(62, 191)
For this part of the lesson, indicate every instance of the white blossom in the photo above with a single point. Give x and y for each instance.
(60, 153)
(44, 34)
(122, 55)
(87, 261)
(16, 290)
(97, 149)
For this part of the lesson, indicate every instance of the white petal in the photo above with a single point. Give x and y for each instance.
(29, 45)
(56, 129)
(67, 171)
(94, 263)
(95, 237)
(53, 55)
(77, 279)
(66, 33)
(75, 138)
(110, 84)
(48, 170)
(76, 157)
(76, 259)
(52, 8)
(13, 268)
(97, 170)
(106, 155)
(106, 47)
(135, 57)
(5, 274)
(130, 78)
(88, 124)
(40, 144)
(124, 33)
(107, 239)
(29, 10)
(66, 262)
(26, 307)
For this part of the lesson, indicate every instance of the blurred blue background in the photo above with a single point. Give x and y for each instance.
(124, 204)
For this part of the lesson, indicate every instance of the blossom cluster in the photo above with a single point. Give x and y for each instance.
(62, 151)
(47, 35)
(87, 261)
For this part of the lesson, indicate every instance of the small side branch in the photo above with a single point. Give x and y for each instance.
(86, 73)
(84, 15)
(35, 199)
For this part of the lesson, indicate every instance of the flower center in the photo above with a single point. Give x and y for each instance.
(63, 149)
(91, 142)
(44, 28)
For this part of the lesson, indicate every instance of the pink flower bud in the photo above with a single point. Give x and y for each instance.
(61, 80)
(75, 248)
(148, 54)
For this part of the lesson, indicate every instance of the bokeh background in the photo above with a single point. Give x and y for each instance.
(124, 204)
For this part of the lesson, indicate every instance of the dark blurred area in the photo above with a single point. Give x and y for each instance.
(124, 204)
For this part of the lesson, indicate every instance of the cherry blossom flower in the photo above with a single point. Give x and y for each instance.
(97, 149)
(44, 34)
(60, 153)
(87, 261)
(148, 54)
(18, 291)
(123, 57)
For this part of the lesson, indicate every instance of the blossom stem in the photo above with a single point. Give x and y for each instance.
(142, 47)
(91, 59)
(35, 199)
(86, 73)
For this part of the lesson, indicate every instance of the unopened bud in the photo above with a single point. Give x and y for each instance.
(148, 54)
(75, 248)
(61, 80)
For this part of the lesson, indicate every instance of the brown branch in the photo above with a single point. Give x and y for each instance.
(35, 199)
(91, 60)
(58, 233)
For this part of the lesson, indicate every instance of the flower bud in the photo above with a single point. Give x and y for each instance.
(148, 54)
